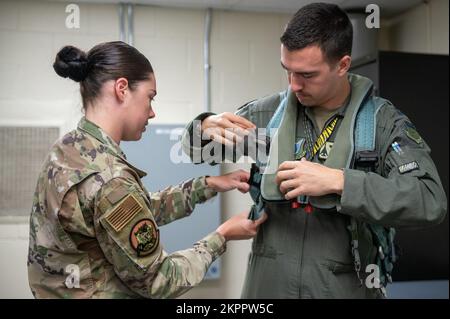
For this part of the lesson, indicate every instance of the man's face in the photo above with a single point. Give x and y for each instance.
(310, 76)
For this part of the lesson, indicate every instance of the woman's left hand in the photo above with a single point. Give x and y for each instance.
(237, 179)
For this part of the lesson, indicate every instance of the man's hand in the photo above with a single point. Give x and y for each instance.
(237, 179)
(240, 227)
(226, 128)
(297, 178)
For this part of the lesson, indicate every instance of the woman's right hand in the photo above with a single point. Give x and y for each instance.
(234, 180)
(240, 227)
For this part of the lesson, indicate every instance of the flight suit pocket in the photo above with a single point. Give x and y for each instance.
(264, 251)
(342, 281)
(340, 268)
(269, 276)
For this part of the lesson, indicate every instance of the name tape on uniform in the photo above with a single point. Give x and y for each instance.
(408, 167)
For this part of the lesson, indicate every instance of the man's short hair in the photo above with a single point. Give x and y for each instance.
(322, 24)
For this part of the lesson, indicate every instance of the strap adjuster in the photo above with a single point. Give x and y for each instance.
(366, 158)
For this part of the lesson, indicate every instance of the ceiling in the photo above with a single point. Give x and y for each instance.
(388, 8)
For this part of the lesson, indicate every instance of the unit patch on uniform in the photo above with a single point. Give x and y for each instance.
(325, 150)
(299, 149)
(144, 237)
(408, 167)
(412, 133)
(124, 213)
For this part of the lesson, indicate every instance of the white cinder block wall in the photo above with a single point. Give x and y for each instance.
(32, 94)
(245, 65)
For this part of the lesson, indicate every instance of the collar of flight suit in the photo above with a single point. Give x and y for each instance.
(95, 131)
(340, 111)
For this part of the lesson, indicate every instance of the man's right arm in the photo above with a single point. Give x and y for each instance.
(202, 150)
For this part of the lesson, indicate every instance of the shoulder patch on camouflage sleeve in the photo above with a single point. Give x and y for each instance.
(115, 196)
(144, 237)
(124, 213)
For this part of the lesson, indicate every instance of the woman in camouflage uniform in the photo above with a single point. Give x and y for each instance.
(93, 226)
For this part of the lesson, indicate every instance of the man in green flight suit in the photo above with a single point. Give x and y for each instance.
(333, 205)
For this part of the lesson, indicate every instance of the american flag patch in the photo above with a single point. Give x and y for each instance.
(124, 213)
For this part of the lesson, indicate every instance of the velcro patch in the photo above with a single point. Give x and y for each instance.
(325, 150)
(116, 195)
(408, 167)
(412, 133)
(144, 237)
(124, 213)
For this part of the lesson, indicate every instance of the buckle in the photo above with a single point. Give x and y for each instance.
(366, 158)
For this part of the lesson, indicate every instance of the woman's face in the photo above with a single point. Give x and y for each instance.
(139, 109)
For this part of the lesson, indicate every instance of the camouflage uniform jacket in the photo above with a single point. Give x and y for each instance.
(94, 227)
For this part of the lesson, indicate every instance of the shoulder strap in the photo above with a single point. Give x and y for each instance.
(365, 159)
(365, 155)
(275, 121)
(365, 130)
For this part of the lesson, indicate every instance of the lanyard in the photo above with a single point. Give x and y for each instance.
(321, 139)
(311, 152)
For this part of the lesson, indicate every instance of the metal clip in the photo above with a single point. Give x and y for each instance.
(380, 252)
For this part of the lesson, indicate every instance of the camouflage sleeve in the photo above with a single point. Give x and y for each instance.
(129, 237)
(202, 150)
(179, 201)
(406, 191)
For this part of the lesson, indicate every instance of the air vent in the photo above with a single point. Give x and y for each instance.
(22, 152)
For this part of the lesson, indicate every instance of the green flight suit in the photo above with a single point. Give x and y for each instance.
(299, 255)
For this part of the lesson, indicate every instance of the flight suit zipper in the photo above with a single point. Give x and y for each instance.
(303, 251)
(316, 132)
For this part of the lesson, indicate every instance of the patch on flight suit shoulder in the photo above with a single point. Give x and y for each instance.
(412, 133)
(325, 150)
(408, 167)
(299, 149)
(124, 213)
(144, 237)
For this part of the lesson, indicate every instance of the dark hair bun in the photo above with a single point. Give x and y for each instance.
(71, 62)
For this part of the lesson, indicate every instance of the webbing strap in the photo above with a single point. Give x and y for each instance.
(275, 121)
(365, 128)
